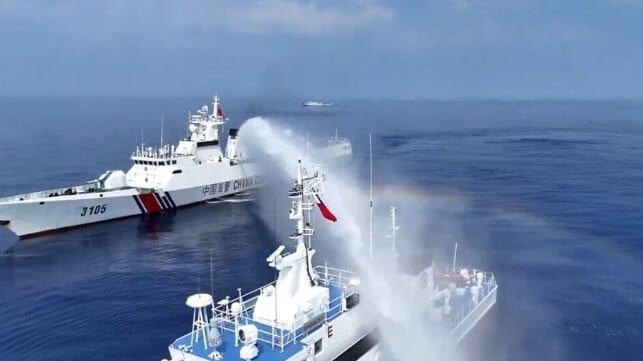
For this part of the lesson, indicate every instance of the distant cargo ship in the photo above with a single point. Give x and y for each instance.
(316, 103)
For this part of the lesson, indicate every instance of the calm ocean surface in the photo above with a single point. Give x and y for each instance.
(548, 195)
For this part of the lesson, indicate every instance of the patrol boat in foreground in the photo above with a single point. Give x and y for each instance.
(307, 313)
(315, 313)
(195, 170)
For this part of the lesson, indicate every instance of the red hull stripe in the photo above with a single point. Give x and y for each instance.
(150, 203)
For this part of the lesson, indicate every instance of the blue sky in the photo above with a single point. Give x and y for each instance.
(352, 48)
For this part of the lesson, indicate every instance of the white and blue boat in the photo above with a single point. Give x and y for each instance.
(307, 313)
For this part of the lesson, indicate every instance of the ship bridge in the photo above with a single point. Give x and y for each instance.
(150, 156)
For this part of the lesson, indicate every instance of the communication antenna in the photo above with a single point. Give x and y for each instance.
(370, 205)
(394, 233)
(455, 253)
(211, 280)
(187, 132)
(142, 142)
(274, 235)
(162, 121)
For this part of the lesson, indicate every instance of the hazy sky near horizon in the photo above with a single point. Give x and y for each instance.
(334, 48)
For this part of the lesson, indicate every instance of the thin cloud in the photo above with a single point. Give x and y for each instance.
(305, 18)
(256, 17)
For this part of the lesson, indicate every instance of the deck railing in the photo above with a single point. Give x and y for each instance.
(43, 195)
(461, 312)
(280, 335)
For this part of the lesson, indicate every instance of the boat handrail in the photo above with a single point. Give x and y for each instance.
(488, 287)
(90, 187)
(166, 151)
(281, 335)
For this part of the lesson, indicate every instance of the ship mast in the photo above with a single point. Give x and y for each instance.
(370, 204)
(394, 233)
(306, 186)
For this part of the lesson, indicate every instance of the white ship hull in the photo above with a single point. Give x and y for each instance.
(37, 216)
(316, 104)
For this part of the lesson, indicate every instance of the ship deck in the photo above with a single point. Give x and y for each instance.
(60, 192)
(268, 350)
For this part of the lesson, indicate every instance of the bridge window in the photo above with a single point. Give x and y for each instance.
(318, 346)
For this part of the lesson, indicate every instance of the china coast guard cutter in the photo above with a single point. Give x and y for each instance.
(308, 313)
(195, 170)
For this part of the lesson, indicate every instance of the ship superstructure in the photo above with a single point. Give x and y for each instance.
(336, 149)
(161, 178)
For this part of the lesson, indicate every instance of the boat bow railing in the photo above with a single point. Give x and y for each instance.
(281, 335)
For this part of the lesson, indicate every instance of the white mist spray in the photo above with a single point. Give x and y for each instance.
(403, 334)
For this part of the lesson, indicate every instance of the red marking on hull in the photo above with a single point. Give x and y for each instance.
(150, 203)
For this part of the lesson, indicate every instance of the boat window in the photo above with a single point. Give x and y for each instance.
(352, 300)
(318, 346)
(173, 162)
(177, 171)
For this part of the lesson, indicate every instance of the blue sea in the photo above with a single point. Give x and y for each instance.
(546, 194)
